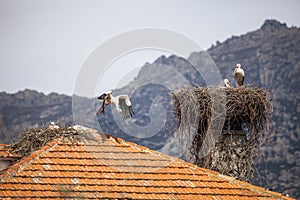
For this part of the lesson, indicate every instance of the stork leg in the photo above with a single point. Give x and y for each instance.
(101, 109)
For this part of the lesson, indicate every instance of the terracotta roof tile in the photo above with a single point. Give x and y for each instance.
(5, 155)
(115, 169)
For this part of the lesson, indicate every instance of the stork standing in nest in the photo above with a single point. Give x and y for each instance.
(122, 103)
(53, 126)
(227, 83)
(239, 75)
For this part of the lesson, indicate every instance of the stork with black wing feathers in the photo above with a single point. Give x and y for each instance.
(239, 75)
(122, 103)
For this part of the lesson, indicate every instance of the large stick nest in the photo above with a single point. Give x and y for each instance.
(33, 139)
(244, 110)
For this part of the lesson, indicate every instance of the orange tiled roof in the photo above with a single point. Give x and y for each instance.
(107, 167)
(6, 158)
(5, 155)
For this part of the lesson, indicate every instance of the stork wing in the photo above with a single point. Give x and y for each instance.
(125, 106)
(239, 79)
(102, 97)
(239, 75)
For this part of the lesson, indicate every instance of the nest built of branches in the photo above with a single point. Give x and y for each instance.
(32, 139)
(241, 115)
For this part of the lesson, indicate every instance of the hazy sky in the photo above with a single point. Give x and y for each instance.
(44, 43)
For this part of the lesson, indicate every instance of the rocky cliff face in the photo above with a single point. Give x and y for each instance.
(270, 58)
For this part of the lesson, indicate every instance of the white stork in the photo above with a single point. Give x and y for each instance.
(239, 75)
(122, 103)
(227, 83)
(53, 126)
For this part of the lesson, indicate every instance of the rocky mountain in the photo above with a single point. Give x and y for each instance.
(270, 58)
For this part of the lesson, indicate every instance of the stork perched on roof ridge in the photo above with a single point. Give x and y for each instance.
(239, 75)
(122, 103)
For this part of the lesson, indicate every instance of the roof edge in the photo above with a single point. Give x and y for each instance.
(25, 161)
(254, 188)
(209, 172)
